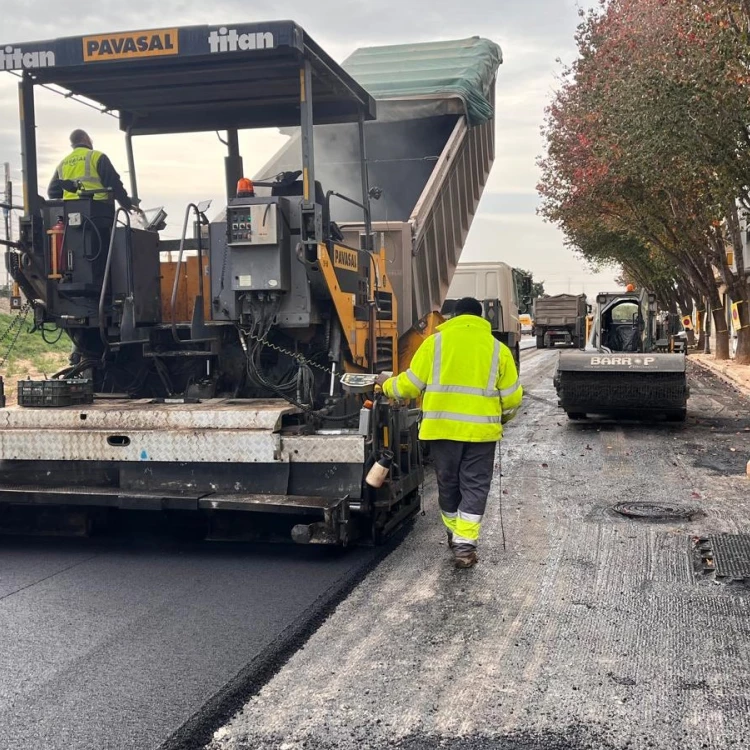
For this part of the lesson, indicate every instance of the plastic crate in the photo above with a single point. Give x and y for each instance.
(52, 393)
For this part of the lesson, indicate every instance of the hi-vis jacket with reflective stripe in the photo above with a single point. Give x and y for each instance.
(81, 164)
(469, 380)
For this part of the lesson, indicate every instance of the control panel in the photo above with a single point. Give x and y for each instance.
(360, 382)
(255, 224)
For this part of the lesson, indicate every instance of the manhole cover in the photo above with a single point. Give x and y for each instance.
(656, 511)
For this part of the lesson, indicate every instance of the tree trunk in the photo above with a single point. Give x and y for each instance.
(690, 333)
(700, 316)
(742, 355)
(720, 328)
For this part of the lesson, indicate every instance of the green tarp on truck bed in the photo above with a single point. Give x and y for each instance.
(464, 68)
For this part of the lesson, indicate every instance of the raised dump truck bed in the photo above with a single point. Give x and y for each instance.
(430, 152)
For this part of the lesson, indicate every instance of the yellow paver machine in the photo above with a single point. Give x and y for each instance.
(226, 377)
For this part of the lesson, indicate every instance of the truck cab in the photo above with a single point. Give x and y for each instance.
(494, 285)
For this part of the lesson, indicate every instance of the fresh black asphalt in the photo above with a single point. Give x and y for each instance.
(117, 643)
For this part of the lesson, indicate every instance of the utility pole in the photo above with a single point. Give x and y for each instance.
(6, 215)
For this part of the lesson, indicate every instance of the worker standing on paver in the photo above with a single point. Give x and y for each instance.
(471, 388)
(92, 169)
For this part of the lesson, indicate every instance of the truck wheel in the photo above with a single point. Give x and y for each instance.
(540, 341)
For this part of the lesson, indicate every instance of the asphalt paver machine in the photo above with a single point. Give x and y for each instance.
(211, 382)
(625, 371)
(225, 379)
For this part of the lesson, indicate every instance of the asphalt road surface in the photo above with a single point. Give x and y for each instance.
(591, 631)
(114, 645)
(528, 342)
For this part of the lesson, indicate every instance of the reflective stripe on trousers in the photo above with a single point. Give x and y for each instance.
(449, 519)
(467, 528)
(463, 527)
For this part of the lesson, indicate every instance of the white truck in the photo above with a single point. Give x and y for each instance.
(495, 285)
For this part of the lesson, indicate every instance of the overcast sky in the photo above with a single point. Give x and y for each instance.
(174, 170)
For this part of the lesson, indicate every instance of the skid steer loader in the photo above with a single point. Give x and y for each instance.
(624, 371)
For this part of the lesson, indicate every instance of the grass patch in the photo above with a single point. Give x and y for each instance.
(31, 353)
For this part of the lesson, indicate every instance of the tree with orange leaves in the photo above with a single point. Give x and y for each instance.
(649, 138)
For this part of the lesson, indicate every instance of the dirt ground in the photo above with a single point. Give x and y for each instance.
(728, 370)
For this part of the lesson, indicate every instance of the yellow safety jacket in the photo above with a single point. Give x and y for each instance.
(469, 381)
(81, 164)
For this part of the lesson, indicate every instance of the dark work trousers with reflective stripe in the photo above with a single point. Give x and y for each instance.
(464, 476)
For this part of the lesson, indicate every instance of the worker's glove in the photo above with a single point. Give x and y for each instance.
(380, 380)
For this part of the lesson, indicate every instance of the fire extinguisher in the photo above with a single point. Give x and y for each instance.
(56, 239)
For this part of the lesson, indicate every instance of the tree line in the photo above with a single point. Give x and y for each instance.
(647, 160)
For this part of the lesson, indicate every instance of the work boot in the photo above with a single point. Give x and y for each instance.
(466, 558)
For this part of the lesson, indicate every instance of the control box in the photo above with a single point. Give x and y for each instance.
(255, 253)
(254, 224)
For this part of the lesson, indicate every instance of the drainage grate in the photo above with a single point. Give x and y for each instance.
(656, 511)
(727, 556)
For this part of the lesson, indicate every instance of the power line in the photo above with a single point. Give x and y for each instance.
(70, 95)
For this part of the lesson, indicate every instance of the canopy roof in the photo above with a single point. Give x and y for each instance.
(464, 69)
(196, 78)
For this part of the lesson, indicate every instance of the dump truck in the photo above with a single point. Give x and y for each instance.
(494, 285)
(625, 370)
(226, 380)
(560, 319)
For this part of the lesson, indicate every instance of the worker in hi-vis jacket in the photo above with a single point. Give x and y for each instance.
(470, 388)
(88, 170)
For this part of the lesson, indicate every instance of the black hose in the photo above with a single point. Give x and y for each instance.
(46, 340)
(343, 418)
(98, 236)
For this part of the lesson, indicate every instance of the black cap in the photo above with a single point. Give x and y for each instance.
(468, 306)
